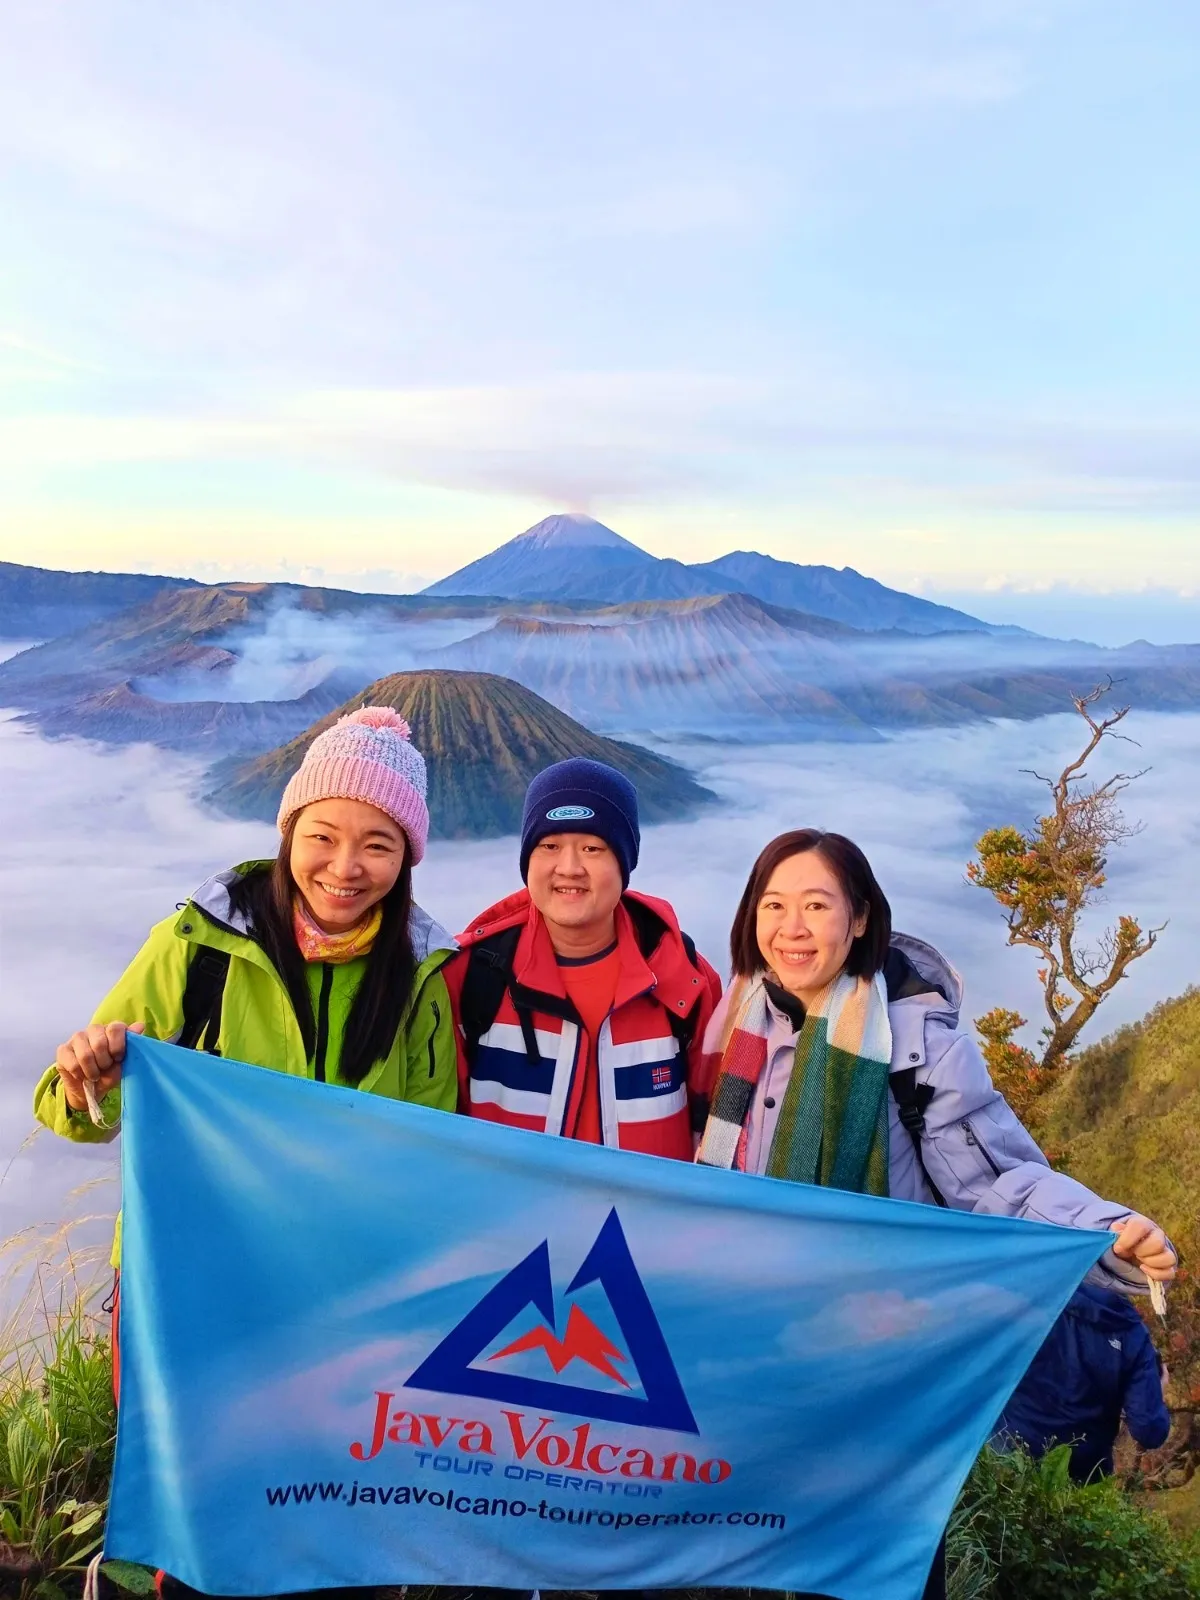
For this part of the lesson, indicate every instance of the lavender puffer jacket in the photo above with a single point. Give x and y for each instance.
(975, 1150)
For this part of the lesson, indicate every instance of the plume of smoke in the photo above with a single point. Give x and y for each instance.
(294, 650)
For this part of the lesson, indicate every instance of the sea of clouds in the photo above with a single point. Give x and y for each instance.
(97, 844)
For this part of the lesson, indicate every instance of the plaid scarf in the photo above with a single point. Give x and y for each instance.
(833, 1124)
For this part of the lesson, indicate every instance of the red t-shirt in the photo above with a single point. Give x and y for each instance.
(591, 984)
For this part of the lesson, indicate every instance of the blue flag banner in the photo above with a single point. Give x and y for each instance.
(370, 1343)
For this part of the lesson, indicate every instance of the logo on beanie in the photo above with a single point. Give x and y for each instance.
(569, 814)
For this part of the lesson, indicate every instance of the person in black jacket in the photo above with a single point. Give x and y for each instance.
(1097, 1362)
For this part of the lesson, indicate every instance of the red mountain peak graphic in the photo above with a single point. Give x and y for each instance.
(582, 1340)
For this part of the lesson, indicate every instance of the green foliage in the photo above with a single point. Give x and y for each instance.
(1039, 1536)
(1014, 1070)
(127, 1575)
(57, 1429)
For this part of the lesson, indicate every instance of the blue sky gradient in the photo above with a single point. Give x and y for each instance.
(355, 293)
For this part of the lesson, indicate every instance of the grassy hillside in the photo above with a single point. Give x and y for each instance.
(483, 738)
(1126, 1119)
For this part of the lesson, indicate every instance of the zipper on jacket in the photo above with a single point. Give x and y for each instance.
(969, 1135)
(322, 1045)
(437, 1022)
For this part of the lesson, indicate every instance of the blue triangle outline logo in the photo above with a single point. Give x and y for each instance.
(448, 1367)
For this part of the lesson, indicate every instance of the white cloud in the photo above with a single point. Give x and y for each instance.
(96, 845)
(579, 438)
(873, 1317)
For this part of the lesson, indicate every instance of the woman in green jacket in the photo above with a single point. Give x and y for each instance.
(317, 963)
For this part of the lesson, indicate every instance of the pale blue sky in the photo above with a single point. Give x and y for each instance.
(355, 292)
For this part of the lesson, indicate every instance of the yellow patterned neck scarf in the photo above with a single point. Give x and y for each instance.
(334, 948)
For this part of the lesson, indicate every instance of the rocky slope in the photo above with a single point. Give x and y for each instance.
(121, 715)
(733, 667)
(483, 738)
(726, 666)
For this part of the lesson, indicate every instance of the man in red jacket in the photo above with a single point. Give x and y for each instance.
(581, 1005)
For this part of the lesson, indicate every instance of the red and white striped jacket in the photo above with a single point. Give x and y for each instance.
(652, 1095)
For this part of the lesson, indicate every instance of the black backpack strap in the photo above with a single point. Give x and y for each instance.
(684, 1028)
(912, 1101)
(203, 993)
(487, 978)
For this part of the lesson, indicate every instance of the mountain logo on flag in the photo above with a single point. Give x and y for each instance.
(449, 1370)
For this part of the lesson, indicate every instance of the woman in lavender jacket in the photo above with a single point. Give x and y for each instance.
(914, 1115)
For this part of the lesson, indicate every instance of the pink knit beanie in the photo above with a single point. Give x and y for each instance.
(369, 756)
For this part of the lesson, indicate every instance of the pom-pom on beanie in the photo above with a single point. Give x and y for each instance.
(581, 796)
(367, 755)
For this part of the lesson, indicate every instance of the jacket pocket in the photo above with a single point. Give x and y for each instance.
(437, 1022)
(976, 1143)
(963, 1154)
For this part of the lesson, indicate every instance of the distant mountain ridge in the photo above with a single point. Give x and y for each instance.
(843, 595)
(732, 667)
(574, 557)
(37, 603)
(238, 667)
(566, 559)
(483, 739)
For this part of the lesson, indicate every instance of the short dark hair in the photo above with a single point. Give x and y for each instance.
(868, 952)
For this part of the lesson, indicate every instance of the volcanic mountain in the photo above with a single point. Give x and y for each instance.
(573, 557)
(483, 738)
(237, 666)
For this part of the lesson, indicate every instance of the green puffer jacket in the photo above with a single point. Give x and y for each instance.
(258, 1023)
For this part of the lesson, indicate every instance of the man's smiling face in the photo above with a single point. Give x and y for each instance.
(575, 882)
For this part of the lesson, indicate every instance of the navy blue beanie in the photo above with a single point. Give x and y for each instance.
(581, 796)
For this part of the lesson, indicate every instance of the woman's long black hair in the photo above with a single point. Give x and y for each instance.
(265, 899)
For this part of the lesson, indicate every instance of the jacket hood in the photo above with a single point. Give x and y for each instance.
(213, 899)
(506, 913)
(1103, 1309)
(945, 986)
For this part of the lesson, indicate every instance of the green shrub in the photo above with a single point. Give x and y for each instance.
(1038, 1536)
(57, 1429)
